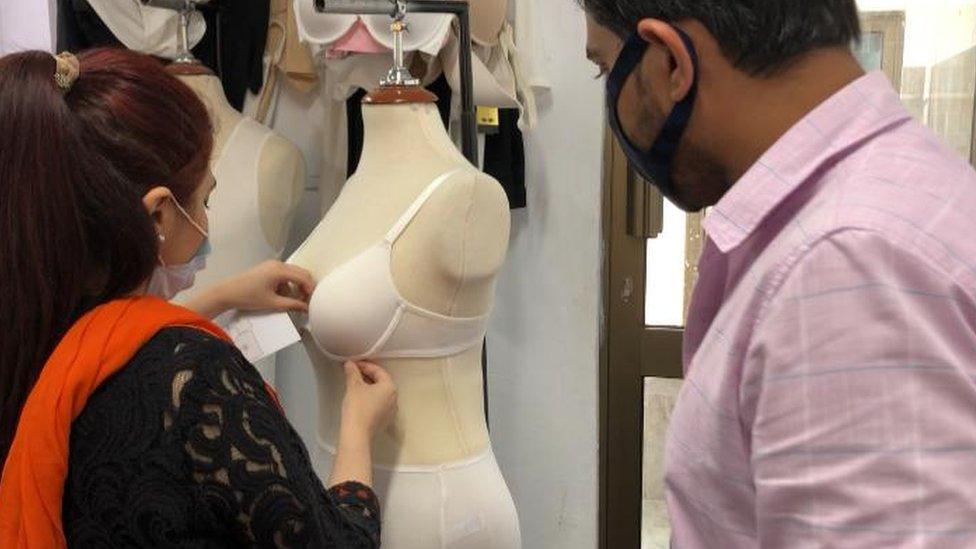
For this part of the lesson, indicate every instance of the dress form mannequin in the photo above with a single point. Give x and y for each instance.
(260, 180)
(487, 19)
(281, 168)
(445, 261)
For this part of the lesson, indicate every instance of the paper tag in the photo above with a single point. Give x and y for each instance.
(487, 119)
(259, 335)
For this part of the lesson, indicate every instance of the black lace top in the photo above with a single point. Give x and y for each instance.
(185, 448)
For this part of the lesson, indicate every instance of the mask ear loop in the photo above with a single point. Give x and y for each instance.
(196, 225)
(628, 59)
(666, 145)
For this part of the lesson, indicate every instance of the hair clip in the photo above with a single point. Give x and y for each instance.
(67, 70)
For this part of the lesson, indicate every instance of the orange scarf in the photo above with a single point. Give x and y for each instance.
(99, 345)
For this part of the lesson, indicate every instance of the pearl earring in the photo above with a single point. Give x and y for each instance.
(161, 237)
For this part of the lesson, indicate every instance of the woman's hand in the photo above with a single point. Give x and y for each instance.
(371, 398)
(370, 405)
(270, 286)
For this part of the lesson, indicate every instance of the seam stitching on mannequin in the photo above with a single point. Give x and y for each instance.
(443, 505)
(462, 260)
(448, 362)
(448, 378)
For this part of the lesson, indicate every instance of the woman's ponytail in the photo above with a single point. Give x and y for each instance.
(75, 160)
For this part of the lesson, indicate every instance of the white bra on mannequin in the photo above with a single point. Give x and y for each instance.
(427, 31)
(357, 313)
(147, 29)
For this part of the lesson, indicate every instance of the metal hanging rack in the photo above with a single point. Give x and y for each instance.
(397, 9)
(185, 8)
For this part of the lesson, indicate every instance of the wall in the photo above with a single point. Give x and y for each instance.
(544, 337)
(26, 25)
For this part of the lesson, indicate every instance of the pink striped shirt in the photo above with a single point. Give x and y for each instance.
(830, 353)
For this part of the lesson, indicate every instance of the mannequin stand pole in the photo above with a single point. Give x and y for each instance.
(460, 8)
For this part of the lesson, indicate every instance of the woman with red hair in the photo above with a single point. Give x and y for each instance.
(126, 420)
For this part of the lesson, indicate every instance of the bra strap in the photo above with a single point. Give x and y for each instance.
(407, 217)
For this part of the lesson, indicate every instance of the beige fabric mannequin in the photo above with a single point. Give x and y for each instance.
(487, 18)
(260, 181)
(434, 469)
(281, 168)
(446, 261)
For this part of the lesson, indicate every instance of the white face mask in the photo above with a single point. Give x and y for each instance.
(169, 280)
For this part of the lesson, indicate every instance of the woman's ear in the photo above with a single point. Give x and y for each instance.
(153, 201)
(682, 70)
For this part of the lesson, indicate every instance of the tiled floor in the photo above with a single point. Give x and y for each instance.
(659, 398)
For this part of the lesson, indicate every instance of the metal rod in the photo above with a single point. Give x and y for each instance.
(176, 5)
(469, 126)
(184, 8)
(460, 8)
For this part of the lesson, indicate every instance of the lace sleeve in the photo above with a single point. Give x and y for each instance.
(250, 466)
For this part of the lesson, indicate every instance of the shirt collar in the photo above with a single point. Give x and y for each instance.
(861, 109)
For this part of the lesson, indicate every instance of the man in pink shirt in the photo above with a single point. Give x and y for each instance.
(830, 353)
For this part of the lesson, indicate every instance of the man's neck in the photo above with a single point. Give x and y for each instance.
(759, 110)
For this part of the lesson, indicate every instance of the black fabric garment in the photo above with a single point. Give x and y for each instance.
(355, 131)
(233, 46)
(185, 448)
(505, 157)
(442, 89)
(80, 28)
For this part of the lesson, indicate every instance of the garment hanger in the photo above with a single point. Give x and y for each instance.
(399, 86)
(185, 63)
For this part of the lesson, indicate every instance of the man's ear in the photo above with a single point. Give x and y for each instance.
(682, 70)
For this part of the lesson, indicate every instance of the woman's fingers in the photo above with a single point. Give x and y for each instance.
(283, 303)
(353, 375)
(299, 277)
(374, 373)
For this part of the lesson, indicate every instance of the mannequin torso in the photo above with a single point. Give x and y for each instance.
(487, 18)
(281, 168)
(446, 261)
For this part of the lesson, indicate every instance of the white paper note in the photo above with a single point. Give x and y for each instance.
(259, 335)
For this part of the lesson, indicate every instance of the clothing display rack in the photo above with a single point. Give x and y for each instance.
(459, 8)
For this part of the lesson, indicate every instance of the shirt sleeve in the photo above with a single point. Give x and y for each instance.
(251, 468)
(859, 401)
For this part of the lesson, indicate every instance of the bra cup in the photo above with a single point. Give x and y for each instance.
(353, 308)
(423, 29)
(357, 312)
(321, 28)
(327, 28)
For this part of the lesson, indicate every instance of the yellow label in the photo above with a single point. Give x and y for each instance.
(487, 116)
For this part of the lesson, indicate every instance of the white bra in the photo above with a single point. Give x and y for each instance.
(357, 313)
(147, 29)
(427, 32)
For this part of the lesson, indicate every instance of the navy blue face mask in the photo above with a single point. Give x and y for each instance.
(654, 165)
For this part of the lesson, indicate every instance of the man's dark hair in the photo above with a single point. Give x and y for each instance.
(758, 36)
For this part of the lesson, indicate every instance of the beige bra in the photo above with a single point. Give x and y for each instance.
(357, 313)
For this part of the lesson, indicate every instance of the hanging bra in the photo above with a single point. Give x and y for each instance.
(357, 313)
(427, 32)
